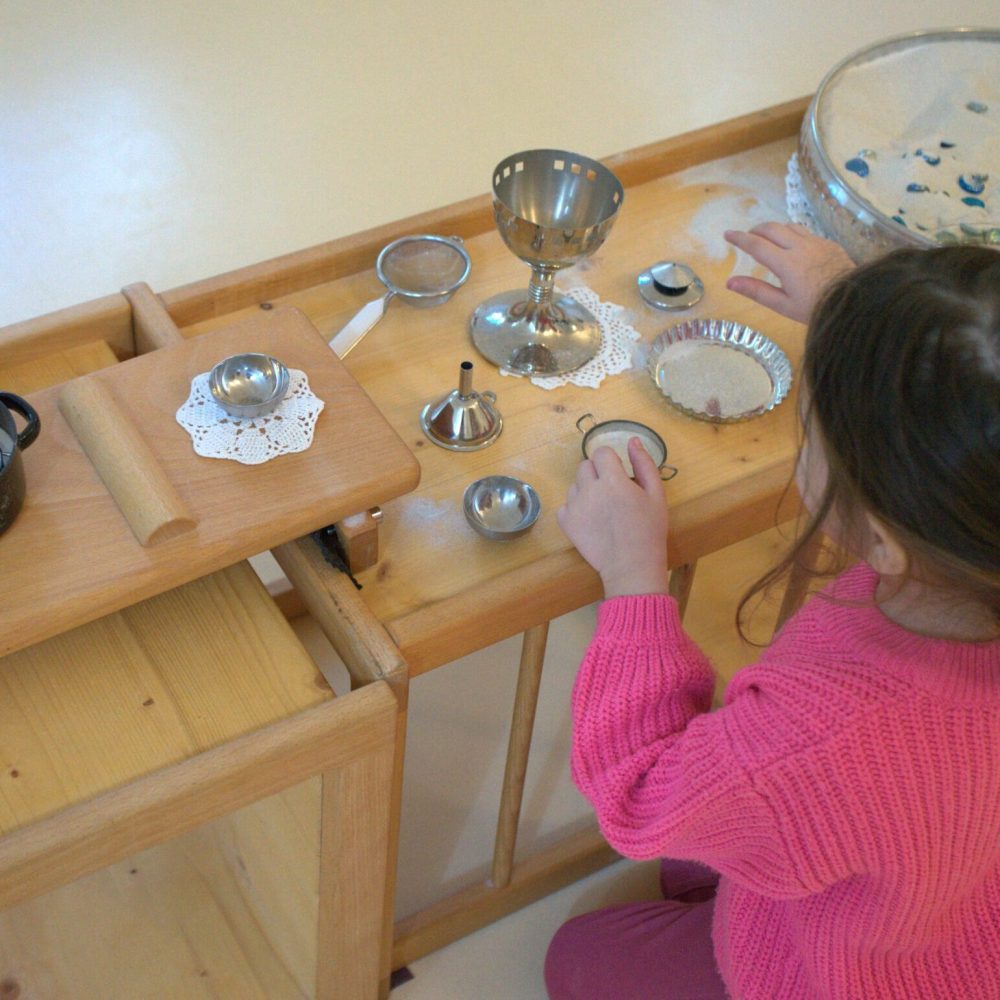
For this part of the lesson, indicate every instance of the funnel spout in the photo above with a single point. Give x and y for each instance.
(465, 379)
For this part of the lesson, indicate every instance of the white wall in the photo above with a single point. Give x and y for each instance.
(168, 141)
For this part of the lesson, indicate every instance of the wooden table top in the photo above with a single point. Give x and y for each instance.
(441, 589)
(71, 556)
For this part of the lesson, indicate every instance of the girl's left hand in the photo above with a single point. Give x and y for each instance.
(619, 525)
(804, 264)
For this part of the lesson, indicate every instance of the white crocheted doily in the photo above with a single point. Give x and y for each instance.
(251, 440)
(615, 355)
(795, 199)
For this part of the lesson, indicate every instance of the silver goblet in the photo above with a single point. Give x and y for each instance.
(552, 209)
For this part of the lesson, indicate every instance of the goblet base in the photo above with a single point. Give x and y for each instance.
(526, 337)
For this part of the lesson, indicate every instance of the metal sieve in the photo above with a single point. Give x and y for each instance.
(422, 270)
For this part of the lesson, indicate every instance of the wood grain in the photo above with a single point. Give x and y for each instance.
(108, 319)
(145, 688)
(151, 323)
(83, 558)
(125, 463)
(29, 376)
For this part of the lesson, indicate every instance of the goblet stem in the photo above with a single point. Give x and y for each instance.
(541, 285)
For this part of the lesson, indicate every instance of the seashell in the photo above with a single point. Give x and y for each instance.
(857, 166)
(978, 107)
(917, 188)
(947, 145)
(899, 219)
(974, 202)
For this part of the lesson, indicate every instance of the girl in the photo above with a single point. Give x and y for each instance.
(846, 797)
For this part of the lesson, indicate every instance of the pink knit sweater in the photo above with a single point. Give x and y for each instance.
(848, 792)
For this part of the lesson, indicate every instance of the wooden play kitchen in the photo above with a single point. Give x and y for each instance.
(85, 554)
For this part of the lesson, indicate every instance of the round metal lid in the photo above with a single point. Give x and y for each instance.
(670, 285)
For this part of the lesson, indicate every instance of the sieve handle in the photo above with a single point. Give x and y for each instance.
(362, 321)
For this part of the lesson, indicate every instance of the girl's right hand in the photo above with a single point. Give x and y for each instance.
(619, 525)
(804, 264)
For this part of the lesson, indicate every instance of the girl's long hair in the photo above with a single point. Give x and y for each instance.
(902, 375)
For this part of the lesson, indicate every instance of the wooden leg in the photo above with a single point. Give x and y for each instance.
(358, 537)
(352, 872)
(368, 653)
(529, 678)
(681, 581)
(566, 862)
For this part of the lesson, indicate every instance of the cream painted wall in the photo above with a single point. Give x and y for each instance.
(167, 141)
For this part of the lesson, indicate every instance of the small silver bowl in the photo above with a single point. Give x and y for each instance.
(249, 385)
(501, 507)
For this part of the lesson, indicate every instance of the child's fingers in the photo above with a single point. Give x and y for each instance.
(607, 463)
(647, 475)
(585, 472)
(779, 233)
(765, 251)
(760, 291)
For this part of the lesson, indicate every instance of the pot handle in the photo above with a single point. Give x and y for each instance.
(672, 470)
(593, 422)
(22, 406)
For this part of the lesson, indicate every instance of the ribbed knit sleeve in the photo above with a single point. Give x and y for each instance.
(848, 792)
(657, 767)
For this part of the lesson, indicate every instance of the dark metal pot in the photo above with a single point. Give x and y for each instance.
(12, 444)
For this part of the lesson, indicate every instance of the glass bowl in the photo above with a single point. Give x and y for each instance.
(860, 227)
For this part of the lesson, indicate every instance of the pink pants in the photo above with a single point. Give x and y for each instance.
(642, 951)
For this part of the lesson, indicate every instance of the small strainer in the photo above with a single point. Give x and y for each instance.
(422, 270)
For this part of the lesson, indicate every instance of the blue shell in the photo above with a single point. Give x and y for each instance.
(917, 188)
(978, 107)
(857, 166)
(973, 183)
(974, 202)
(947, 145)
(899, 219)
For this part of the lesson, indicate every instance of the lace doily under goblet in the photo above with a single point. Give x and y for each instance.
(615, 355)
(251, 440)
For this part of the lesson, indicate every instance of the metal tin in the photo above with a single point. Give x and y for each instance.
(651, 441)
(670, 285)
(727, 335)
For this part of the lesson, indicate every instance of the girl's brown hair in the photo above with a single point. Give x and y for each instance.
(902, 373)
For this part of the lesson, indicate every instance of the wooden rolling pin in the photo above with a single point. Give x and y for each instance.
(125, 462)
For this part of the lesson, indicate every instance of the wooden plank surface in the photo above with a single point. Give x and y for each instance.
(52, 369)
(149, 686)
(680, 194)
(71, 556)
(108, 318)
(443, 591)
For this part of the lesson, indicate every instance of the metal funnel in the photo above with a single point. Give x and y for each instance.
(464, 420)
